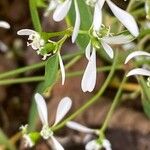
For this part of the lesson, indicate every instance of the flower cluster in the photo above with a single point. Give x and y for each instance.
(46, 131)
(96, 144)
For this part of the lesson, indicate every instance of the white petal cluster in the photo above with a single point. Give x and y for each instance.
(137, 71)
(27, 141)
(61, 9)
(124, 17)
(63, 107)
(89, 77)
(94, 144)
(26, 138)
(36, 41)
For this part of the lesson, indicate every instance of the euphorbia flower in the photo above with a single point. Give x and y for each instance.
(36, 41)
(95, 144)
(124, 17)
(89, 77)
(46, 132)
(61, 11)
(137, 71)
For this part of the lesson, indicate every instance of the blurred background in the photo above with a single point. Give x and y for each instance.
(129, 128)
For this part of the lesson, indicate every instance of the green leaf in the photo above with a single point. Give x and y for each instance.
(5, 141)
(145, 96)
(51, 69)
(86, 22)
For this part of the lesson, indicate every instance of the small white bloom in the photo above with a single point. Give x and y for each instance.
(26, 138)
(27, 141)
(124, 17)
(36, 41)
(94, 144)
(61, 12)
(63, 107)
(89, 77)
(106, 144)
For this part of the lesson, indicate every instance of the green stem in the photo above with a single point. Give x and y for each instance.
(34, 66)
(21, 70)
(92, 100)
(113, 106)
(41, 78)
(35, 16)
(22, 80)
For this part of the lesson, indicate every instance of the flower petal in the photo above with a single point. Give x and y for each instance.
(63, 107)
(97, 18)
(62, 10)
(88, 51)
(62, 69)
(42, 108)
(135, 54)
(138, 71)
(4, 24)
(106, 144)
(119, 39)
(79, 127)
(26, 32)
(89, 78)
(125, 18)
(107, 49)
(56, 145)
(77, 22)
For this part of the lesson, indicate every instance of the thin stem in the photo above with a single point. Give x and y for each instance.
(69, 75)
(113, 106)
(22, 80)
(21, 70)
(35, 16)
(92, 100)
(34, 66)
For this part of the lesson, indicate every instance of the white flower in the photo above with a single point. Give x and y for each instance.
(27, 141)
(61, 12)
(36, 41)
(63, 107)
(137, 71)
(89, 77)
(124, 17)
(94, 144)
